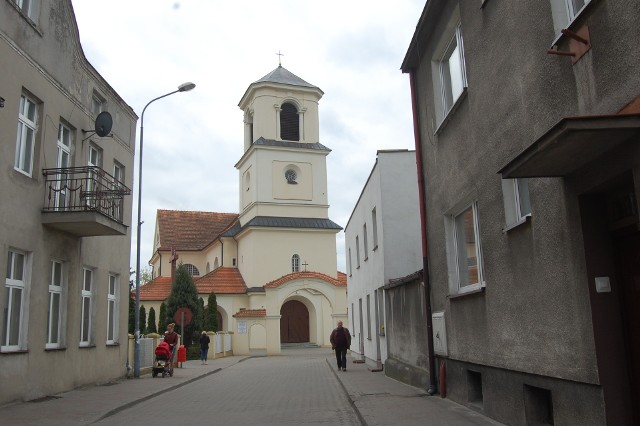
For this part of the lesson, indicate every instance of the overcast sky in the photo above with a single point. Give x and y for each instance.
(351, 49)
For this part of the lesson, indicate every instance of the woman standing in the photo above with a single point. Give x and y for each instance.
(204, 347)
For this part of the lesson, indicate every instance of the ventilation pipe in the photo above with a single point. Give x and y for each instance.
(423, 228)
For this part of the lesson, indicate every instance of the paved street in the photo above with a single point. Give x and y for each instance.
(301, 386)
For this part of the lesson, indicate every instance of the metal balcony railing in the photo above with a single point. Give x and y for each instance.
(78, 189)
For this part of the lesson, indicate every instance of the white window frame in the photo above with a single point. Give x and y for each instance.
(119, 176)
(112, 309)
(295, 263)
(564, 12)
(192, 269)
(26, 137)
(63, 161)
(451, 56)
(17, 280)
(374, 224)
(29, 8)
(86, 307)
(97, 103)
(54, 317)
(452, 229)
(517, 203)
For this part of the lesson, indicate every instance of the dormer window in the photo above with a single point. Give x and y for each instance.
(289, 122)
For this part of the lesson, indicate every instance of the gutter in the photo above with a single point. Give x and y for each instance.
(423, 228)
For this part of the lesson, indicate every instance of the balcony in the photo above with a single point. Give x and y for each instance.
(84, 201)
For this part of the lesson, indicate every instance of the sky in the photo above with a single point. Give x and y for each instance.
(351, 49)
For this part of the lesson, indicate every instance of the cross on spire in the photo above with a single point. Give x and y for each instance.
(280, 55)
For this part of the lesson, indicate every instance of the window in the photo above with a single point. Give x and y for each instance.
(54, 319)
(565, 11)
(112, 310)
(27, 118)
(118, 174)
(215, 263)
(517, 206)
(93, 185)
(374, 224)
(13, 338)
(63, 161)
(357, 252)
(86, 308)
(350, 264)
(464, 254)
(191, 269)
(295, 263)
(369, 316)
(379, 294)
(29, 8)
(364, 240)
(97, 103)
(453, 78)
(289, 122)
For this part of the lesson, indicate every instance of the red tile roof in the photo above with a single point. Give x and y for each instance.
(158, 288)
(189, 230)
(250, 313)
(222, 280)
(341, 281)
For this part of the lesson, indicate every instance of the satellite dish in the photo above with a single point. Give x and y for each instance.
(104, 122)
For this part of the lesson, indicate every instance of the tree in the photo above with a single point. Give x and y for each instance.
(163, 320)
(151, 324)
(132, 306)
(143, 320)
(200, 317)
(184, 295)
(211, 314)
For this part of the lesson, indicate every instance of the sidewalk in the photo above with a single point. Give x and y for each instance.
(381, 400)
(376, 398)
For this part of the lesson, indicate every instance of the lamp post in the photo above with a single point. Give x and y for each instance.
(185, 87)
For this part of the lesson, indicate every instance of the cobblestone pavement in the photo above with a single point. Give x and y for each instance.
(300, 386)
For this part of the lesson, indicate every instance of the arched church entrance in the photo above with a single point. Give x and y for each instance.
(294, 322)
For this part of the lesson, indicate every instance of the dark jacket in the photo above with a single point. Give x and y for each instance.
(335, 339)
(204, 341)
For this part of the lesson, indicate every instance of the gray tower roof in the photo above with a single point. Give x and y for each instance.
(284, 76)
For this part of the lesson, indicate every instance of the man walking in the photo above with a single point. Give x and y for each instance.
(341, 341)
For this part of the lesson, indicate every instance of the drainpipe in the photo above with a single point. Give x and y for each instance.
(221, 253)
(423, 228)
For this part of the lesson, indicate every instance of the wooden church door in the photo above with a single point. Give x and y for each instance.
(294, 322)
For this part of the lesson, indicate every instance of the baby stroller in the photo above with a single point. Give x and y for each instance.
(163, 363)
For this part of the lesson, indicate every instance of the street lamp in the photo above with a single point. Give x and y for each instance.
(185, 87)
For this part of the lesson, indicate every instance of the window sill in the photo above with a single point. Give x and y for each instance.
(87, 346)
(375, 247)
(62, 348)
(113, 344)
(13, 351)
(366, 258)
(521, 221)
(451, 112)
(467, 293)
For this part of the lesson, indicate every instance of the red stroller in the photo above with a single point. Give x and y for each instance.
(163, 363)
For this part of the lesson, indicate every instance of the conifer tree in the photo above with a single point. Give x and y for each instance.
(151, 323)
(211, 314)
(200, 317)
(143, 320)
(184, 295)
(163, 320)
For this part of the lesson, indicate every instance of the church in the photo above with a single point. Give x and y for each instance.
(273, 265)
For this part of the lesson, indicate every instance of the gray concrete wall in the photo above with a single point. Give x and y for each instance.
(43, 59)
(534, 316)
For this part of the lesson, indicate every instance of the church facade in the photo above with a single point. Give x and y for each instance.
(273, 265)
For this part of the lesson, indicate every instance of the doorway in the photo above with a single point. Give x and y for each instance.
(294, 322)
(611, 235)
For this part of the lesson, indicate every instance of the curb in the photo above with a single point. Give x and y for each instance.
(160, 392)
(346, 392)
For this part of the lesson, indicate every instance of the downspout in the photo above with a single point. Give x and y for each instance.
(221, 253)
(423, 228)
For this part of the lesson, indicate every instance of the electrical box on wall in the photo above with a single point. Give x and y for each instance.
(439, 334)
